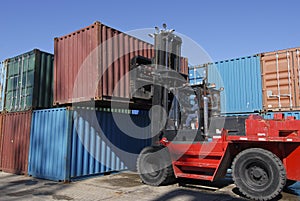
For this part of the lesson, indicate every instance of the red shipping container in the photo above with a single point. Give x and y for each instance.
(1, 123)
(15, 142)
(97, 56)
(89, 63)
(184, 66)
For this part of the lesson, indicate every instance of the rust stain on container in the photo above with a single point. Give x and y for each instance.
(15, 142)
(105, 54)
(281, 80)
(1, 135)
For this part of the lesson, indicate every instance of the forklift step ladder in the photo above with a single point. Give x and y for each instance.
(203, 164)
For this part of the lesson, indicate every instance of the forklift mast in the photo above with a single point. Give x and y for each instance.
(160, 81)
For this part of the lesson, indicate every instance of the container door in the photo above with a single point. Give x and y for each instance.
(1, 140)
(20, 81)
(279, 81)
(297, 76)
(15, 144)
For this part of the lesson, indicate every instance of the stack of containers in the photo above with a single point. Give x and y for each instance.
(3, 66)
(69, 142)
(65, 143)
(264, 83)
(88, 64)
(29, 79)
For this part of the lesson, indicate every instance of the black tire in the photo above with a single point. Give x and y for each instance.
(155, 167)
(259, 174)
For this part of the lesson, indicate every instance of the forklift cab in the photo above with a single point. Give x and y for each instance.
(196, 105)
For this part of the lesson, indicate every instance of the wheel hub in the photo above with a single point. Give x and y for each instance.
(259, 175)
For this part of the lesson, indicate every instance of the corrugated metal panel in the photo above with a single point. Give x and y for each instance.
(241, 81)
(270, 115)
(16, 139)
(79, 146)
(281, 80)
(29, 81)
(1, 135)
(49, 145)
(3, 71)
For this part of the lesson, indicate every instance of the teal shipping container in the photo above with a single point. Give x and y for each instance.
(29, 81)
(241, 80)
(3, 67)
(68, 144)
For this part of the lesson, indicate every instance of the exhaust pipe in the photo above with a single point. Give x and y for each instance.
(205, 100)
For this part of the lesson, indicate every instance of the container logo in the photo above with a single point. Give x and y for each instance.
(141, 81)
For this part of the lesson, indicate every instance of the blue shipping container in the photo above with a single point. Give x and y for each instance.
(270, 115)
(67, 144)
(241, 79)
(196, 74)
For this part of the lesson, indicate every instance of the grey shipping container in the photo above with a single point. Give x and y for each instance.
(70, 143)
(3, 71)
(29, 81)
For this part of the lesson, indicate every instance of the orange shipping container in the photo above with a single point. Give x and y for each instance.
(15, 142)
(281, 80)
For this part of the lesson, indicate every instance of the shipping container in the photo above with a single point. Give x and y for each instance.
(184, 67)
(71, 143)
(281, 80)
(1, 135)
(241, 81)
(3, 71)
(270, 115)
(15, 142)
(197, 74)
(91, 62)
(29, 81)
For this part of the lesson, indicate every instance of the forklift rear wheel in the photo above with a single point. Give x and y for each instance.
(259, 174)
(155, 167)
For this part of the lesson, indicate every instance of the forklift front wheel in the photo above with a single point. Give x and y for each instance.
(155, 167)
(259, 174)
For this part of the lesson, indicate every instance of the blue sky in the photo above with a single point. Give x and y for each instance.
(225, 29)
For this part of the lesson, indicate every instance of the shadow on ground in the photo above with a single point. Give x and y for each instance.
(10, 186)
(192, 195)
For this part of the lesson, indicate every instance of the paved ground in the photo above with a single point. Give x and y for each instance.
(118, 187)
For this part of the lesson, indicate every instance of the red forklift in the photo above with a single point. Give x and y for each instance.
(263, 154)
